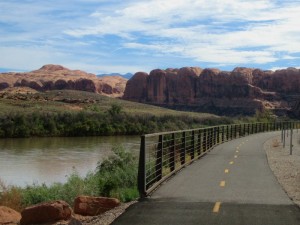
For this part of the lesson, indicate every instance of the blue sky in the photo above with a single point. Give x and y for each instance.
(105, 36)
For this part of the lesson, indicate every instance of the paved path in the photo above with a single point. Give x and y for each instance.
(232, 185)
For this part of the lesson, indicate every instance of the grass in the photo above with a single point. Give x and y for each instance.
(70, 101)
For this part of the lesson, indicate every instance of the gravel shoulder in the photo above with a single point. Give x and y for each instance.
(286, 167)
(107, 217)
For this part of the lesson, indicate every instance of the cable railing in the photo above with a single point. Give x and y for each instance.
(163, 154)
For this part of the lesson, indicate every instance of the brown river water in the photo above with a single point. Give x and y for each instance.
(26, 161)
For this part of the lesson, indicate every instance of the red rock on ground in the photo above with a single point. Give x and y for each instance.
(9, 216)
(46, 212)
(91, 206)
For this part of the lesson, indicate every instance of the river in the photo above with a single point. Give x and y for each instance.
(26, 161)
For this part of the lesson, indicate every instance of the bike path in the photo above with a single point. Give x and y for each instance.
(232, 184)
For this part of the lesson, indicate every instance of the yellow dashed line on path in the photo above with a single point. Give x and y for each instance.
(222, 183)
(216, 208)
(226, 171)
(237, 151)
(235, 156)
(231, 163)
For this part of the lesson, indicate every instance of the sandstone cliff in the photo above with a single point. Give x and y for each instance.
(241, 91)
(56, 77)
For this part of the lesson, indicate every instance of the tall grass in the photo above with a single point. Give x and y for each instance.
(114, 177)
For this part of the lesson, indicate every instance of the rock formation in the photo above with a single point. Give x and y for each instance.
(9, 216)
(92, 206)
(241, 91)
(56, 77)
(46, 212)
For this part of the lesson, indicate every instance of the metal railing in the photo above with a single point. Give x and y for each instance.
(163, 154)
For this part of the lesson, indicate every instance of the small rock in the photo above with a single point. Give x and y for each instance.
(92, 206)
(46, 212)
(74, 221)
(9, 216)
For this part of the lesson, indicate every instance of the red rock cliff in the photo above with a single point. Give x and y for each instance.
(242, 90)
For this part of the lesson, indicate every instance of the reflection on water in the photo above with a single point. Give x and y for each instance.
(47, 160)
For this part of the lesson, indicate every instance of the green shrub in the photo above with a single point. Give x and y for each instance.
(118, 175)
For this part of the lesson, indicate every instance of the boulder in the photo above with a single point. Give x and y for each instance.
(91, 206)
(46, 212)
(9, 216)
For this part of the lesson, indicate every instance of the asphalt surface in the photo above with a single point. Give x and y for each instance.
(232, 184)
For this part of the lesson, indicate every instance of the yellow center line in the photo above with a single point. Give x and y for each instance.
(237, 151)
(226, 171)
(231, 163)
(235, 156)
(216, 208)
(222, 183)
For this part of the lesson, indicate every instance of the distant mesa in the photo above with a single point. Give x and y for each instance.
(57, 77)
(241, 91)
(126, 75)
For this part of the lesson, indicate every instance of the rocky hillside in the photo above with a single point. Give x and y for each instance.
(55, 77)
(241, 91)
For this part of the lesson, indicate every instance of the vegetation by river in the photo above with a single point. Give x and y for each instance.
(73, 113)
(114, 177)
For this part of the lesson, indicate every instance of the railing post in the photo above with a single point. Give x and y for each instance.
(227, 133)
(223, 132)
(214, 136)
(218, 135)
(235, 131)
(172, 153)
(183, 148)
(242, 130)
(291, 142)
(159, 158)
(204, 140)
(199, 143)
(284, 136)
(211, 138)
(142, 168)
(193, 145)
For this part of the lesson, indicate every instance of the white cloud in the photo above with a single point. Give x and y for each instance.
(90, 32)
(204, 30)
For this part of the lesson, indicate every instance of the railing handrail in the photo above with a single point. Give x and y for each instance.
(222, 125)
(169, 152)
